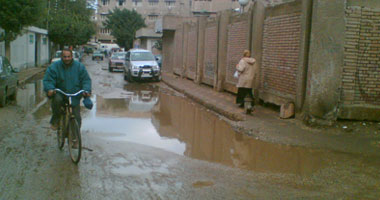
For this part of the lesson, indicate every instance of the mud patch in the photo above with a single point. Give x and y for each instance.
(201, 184)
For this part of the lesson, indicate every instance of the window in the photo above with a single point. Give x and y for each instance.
(153, 17)
(103, 16)
(121, 2)
(153, 2)
(170, 2)
(31, 39)
(105, 31)
(44, 41)
(105, 2)
(137, 2)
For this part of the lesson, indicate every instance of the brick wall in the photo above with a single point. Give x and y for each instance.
(177, 68)
(210, 53)
(361, 70)
(281, 53)
(192, 42)
(237, 43)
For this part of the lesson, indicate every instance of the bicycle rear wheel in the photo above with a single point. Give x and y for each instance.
(74, 140)
(61, 133)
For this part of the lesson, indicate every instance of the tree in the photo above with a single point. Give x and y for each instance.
(69, 22)
(123, 25)
(158, 45)
(15, 15)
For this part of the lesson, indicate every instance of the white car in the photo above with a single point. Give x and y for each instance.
(58, 55)
(141, 64)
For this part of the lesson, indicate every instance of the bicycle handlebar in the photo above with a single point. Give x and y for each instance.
(70, 95)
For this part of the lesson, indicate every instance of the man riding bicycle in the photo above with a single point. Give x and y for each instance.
(70, 76)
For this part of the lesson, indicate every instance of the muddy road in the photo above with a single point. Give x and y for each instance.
(146, 141)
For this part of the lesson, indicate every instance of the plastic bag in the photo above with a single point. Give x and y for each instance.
(236, 74)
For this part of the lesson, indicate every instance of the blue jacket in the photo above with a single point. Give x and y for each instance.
(69, 79)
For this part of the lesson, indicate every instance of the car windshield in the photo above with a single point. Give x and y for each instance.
(97, 52)
(118, 55)
(142, 56)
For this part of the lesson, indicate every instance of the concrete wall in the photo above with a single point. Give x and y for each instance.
(19, 51)
(326, 59)
(360, 82)
(178, 52)
(281, 49)
(168, 51)
(210, 51)
(192, 51)
(258, 17)
(321, 55)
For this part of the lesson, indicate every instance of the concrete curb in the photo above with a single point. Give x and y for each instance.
(201, 100)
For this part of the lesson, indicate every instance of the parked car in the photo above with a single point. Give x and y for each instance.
(58, 55)
(141, 64)
(116, 61)
(8, 81)
(88, 50)
(78, 54)
(97, 55)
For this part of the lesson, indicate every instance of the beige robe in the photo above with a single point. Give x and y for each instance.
(247, 72)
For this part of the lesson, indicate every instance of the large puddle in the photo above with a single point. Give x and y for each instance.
(141, 114)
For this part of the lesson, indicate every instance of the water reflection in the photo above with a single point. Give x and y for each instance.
(127, 117)
(30, 95)
(136, 101)
(209, 138)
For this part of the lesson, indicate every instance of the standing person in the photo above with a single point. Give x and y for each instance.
(247, 72)
(70, 76)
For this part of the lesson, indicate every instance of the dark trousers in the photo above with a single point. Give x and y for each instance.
(242, 93)
(57, 102)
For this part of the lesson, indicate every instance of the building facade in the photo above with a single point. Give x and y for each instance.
(152, 10)
(29, 49)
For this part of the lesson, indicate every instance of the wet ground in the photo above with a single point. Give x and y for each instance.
(146, 141)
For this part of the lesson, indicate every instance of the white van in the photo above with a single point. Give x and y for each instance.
(107, 46)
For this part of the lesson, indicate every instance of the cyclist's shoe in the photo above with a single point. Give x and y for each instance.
(53, 127)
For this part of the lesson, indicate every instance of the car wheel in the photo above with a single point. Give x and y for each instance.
(3, 98)
(158, 78)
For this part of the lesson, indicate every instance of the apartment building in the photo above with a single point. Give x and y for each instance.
(151, 10)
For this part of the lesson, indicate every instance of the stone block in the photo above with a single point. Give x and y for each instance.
(287, 110)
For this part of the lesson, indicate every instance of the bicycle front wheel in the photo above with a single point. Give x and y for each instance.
(74, 140)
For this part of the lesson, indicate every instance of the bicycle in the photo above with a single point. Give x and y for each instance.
(68, 128)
